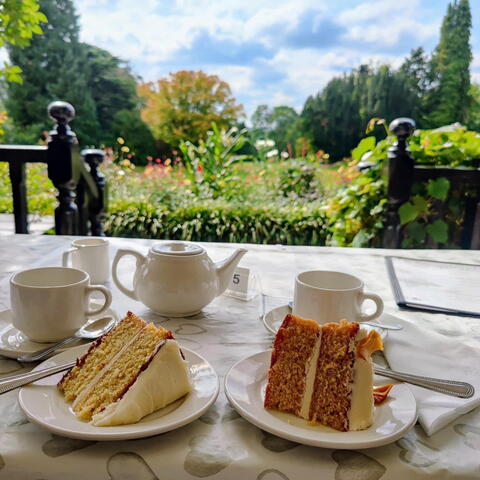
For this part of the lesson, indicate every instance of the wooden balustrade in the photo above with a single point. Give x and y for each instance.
(81, 187)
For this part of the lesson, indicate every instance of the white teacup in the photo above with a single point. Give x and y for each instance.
(51, 303)
(91, 256)
(327, 296)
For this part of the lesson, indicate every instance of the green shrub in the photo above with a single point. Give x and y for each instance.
(208, 165)
(298, 181)
(355, 216)
(41, 194)
(215, 221)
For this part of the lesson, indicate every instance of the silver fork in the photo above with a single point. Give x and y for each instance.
(448, 387)
(15, 381)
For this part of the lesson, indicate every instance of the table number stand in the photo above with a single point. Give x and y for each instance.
(244, 285)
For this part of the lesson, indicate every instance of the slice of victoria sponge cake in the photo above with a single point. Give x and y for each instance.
(129, 372)
(323, 373)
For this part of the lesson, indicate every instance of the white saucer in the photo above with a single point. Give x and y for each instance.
(14, 343)
(44, 405)
(245, 389)
(274, 318)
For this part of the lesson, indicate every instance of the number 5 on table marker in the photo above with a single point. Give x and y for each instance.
(240, 284)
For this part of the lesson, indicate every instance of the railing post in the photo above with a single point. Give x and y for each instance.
(400, 179)
(97, 204)
(63, 157)
(19, 193)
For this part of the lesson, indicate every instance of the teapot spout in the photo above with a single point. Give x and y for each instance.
(225, 269)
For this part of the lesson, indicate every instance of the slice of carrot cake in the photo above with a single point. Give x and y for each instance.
(323, 373)
(128, 373)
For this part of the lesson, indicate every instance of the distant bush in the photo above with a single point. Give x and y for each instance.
(215, 221)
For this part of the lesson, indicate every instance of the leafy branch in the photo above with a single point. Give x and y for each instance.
(20, 20)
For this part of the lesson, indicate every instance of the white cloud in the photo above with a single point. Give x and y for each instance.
(384, 21)
(151, 33)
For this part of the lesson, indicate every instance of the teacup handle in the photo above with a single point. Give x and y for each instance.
(108, 299)
(378, 302)
(66, 255)
(121, 252)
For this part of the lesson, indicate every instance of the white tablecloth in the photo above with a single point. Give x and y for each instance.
(222, 445)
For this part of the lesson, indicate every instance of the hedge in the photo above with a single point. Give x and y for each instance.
(218, 222)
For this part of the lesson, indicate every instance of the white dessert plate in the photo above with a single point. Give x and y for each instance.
(274, 318)
(44, 405)
(14, 343)
(245, 389)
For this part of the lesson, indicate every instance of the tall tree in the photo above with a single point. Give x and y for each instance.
(416, 74)
(184, 105)
(112, 85)
(450, 99)
(54, 67)
(114, 91)
(473, 119)
(335, 118)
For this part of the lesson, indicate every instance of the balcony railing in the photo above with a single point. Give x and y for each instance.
(81, 186)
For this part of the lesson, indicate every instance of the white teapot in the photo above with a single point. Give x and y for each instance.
(177, 279)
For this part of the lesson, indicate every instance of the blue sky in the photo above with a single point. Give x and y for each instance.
(270, 51)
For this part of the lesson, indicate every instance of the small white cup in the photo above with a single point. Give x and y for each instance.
(326, 296)
(90, 255)
(51, 303)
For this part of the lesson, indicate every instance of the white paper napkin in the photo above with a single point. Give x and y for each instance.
(441, 347)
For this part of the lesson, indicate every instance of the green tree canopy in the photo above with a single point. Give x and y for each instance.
(473, 119)
(449, 99)
(184, 105)
(112, 85)
(114, 91)
(53, 68)
(335, 118)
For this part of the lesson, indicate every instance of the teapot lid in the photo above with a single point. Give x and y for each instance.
(177, 248)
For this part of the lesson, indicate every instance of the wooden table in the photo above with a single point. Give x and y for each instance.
(222, 445)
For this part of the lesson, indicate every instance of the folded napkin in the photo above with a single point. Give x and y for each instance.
(441, 347)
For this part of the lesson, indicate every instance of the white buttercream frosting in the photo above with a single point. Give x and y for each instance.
(310, 375)
(361, 411)
(163, 381)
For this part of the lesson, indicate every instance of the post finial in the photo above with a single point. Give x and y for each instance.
(62, 112)
(402, 127)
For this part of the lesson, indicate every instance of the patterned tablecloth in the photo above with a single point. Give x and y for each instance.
(221, 444)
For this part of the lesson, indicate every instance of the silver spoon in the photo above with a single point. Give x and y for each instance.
(89, 331)
(372, 324)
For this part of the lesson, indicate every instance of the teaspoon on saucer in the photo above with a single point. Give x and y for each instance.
(372, 324)
(89, 331)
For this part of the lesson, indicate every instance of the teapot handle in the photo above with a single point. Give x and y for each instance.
(121, 252)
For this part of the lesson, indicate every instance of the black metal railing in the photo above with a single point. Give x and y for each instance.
(403, 173)
(82, 188)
